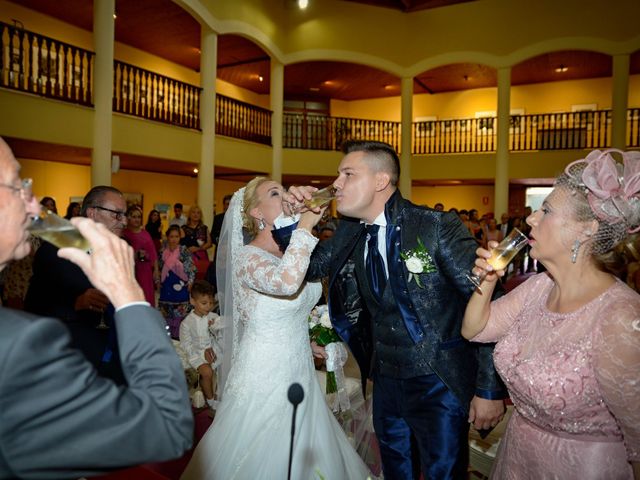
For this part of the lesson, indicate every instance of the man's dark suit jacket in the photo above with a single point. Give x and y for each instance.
(55, 285)
(466, 368)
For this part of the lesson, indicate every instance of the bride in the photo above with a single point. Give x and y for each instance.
(266, 304)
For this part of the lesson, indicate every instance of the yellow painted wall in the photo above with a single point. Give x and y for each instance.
(535, 98)
(63, 180)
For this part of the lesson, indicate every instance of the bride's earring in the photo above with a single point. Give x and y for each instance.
(261, 224)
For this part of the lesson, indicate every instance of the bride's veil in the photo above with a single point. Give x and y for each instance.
(229, 245)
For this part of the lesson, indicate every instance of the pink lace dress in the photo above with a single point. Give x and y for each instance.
(574, 379)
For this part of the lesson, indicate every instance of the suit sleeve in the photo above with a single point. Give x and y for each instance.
(459, 252)
(61, 420)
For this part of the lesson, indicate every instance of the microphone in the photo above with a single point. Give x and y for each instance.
(295, 396)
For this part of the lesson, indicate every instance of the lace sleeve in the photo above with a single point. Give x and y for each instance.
(617, 366)
(506, 309)
(284, 276)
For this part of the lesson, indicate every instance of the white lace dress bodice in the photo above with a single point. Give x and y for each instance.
(251, 432)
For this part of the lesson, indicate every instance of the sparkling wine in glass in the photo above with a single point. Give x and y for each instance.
(501, 255)
(322, 197)
(58, 231)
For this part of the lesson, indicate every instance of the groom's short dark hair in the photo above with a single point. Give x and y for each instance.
(383, 152)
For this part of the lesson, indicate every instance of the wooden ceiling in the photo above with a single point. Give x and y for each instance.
(162, 28)
(409, 6)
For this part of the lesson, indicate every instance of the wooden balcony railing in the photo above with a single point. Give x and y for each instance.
(242, 120)
(152, 96)
(321, 132)
(465, 135)
(43, 66)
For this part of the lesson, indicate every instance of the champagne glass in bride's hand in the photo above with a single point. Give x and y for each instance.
(319, 199)
(58, 231)
(501, 255)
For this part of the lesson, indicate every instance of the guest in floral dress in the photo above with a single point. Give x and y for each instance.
(569, 339)
(177, 273)
(195, 236)
(145, 256)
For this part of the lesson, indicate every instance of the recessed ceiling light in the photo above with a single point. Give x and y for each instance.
(260, 78)
(302, 4)
(314, 89)
(115, 15)
(315, 181)
(195, 170)
(562, 69)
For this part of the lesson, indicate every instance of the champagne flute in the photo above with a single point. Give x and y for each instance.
(501, 255)
(58, 231)
(319, 199)
(102, 325)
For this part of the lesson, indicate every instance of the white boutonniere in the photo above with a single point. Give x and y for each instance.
(418, 261)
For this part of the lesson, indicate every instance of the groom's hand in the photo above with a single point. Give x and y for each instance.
(485, 414)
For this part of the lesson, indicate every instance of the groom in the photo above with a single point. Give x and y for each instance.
(404, 330)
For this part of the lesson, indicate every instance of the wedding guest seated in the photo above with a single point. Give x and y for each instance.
(59, 418)
(569, 339)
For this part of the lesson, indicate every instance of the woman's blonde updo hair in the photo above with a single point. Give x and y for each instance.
(250, 201)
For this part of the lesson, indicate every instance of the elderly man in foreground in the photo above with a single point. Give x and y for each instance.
(58, 417)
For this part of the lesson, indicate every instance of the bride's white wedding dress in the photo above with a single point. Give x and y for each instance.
(250, 436)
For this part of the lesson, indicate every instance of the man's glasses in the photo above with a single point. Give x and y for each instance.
(25, 189)
(117, 214)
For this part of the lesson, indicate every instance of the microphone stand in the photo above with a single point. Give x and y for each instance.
(295, 395)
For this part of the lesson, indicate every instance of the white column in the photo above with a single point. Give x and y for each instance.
(501, 186)
(103, 37)
(208, 65)
(620, 101)
(277, 102)
(405, 143)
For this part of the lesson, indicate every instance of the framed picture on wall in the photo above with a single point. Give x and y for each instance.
(133, 199)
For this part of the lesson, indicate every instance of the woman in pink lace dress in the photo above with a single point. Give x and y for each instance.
(569, 339)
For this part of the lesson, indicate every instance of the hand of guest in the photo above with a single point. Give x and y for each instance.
(484, 413)
(193, 249)
(110, 266)
(91, 299)
(318, 351)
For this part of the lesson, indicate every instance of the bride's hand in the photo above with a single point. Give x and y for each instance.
(318, 351)
(310, 218)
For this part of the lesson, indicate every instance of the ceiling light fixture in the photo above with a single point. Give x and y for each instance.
(260, 78)
(302, 4)
(115, 15)
(195, 170)
(314, 89)
(562, 68)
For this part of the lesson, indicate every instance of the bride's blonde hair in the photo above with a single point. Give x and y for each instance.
(250, 201)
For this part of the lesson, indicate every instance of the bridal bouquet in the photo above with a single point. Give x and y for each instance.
(321, 331)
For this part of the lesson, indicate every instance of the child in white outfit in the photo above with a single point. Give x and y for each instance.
(198, 340)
